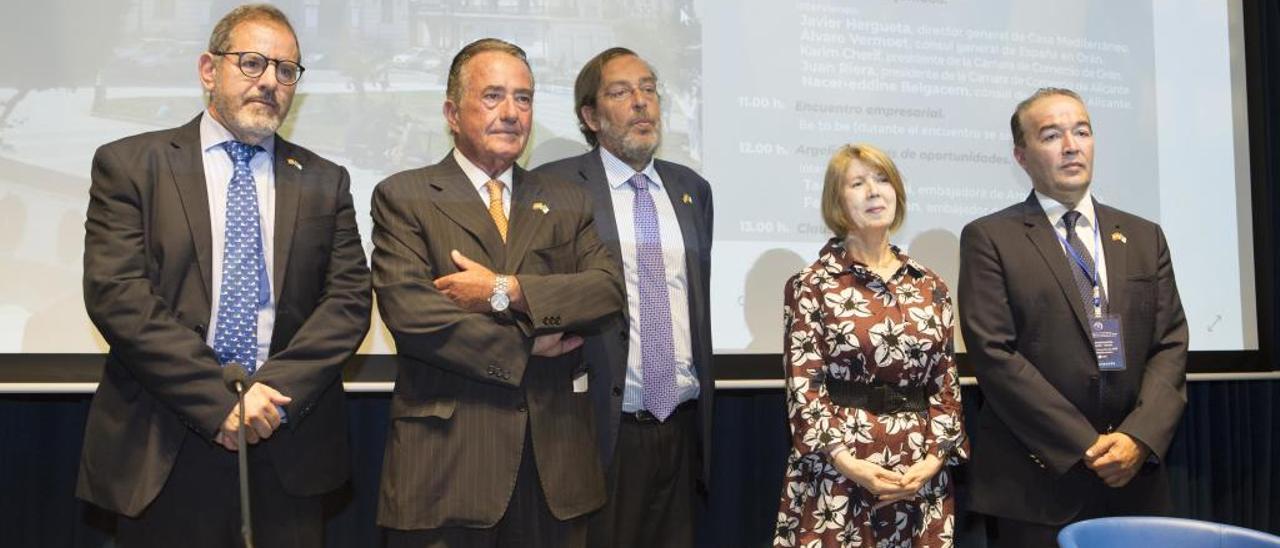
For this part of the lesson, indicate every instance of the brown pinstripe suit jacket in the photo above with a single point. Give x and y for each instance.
(467, 387)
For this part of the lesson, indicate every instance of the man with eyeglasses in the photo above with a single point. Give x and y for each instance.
(651, 382)
(484, 274)
(213, 244)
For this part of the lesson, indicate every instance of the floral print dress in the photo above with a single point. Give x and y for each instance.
(845, 322)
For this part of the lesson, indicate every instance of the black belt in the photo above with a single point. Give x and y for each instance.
(643, 416)
(877, 398)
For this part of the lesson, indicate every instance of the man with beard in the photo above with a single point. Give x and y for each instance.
(207, 245)
(481, 268)
(650, 380)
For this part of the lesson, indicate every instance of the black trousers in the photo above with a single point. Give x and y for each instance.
(199, 505)
(651, 484)
(528, 521)
(1144, 496)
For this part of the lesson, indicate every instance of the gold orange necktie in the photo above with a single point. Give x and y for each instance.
(495, 207)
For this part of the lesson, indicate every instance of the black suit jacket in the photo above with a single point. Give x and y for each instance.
(147, 287)
(607, 352)
(1025, 328)
(468, 390)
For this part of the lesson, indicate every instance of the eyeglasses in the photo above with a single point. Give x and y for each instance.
(254, 64)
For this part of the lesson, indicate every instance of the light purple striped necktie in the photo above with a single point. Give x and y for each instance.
(657, 347)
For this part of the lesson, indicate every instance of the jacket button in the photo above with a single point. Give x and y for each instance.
(623, 335)
(617, 390)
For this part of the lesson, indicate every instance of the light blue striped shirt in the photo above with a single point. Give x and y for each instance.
(618, 174)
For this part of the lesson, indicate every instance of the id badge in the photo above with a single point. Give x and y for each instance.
(1108, 342)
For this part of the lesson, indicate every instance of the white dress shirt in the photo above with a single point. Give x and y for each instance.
(218, 169)
(618, 174)
(480, 180)
(1085, 226)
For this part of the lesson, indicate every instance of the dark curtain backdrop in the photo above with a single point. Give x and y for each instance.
(1224, 465)
(1224, 462)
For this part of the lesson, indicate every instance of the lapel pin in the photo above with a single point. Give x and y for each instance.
(296, 164)
(1117, 236)
(539, 206)
(686, 198)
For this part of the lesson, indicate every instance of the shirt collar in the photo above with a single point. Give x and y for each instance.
(1054, 209)
(619, 173)
(213, 134)
(477, 176)
(837, 261)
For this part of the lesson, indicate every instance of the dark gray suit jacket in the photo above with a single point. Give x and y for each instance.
(1024, 325)
(467, 386)
(147, 287)
(607, 353)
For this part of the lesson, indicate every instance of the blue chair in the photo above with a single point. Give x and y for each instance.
(1145, 531)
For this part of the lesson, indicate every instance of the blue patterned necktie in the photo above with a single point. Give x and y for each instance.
(244, 273)
(657, 347)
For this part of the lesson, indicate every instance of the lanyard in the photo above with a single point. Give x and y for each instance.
(1093, 275)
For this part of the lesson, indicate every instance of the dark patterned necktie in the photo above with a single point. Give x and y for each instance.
(657, 347)
(244, 273)
(1084, 282)
(1109, 397)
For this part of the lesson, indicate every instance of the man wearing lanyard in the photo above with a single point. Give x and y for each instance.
(1073, 324)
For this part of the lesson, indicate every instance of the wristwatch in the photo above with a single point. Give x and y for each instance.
(499, 300)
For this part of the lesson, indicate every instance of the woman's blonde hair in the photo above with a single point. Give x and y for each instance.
(833, 213)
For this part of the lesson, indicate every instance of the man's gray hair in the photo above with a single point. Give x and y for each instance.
(220, 38)
(453, 89)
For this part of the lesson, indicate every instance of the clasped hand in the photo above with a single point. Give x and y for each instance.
(1116, 458)
(888, 486)
(262, 414)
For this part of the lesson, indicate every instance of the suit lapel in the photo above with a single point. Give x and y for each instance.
(288, 179)
(186, 166)
(525, 220)
(1043, 238)
(597, 184)
(459, 201)
(682, 204)
(1116, 253)
(691, 231)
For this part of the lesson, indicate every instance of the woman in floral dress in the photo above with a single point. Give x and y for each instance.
(873, 396)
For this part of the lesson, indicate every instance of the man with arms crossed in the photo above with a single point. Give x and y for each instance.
(214, 243)
(651, 379)
(1072, 319)
(481, 268)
